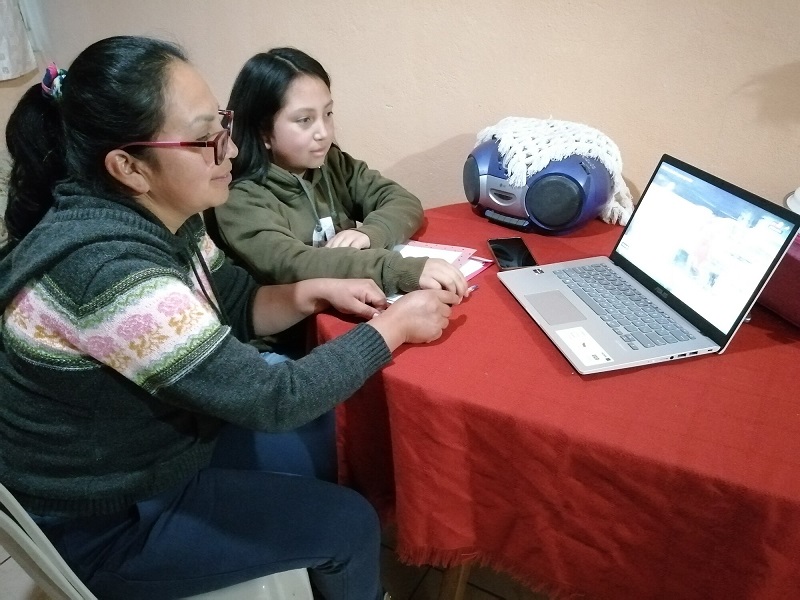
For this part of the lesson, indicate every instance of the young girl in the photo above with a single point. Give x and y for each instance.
(296, 198)
(133, 411)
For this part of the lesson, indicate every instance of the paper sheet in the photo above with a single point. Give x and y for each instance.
(455, 255)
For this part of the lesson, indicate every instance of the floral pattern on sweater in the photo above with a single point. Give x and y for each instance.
(152, 329)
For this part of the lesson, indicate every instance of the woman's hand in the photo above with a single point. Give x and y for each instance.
(349, 238)
(438, 274)
(417, 317)
(278, 307)
(360, 297)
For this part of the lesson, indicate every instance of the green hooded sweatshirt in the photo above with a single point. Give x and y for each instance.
(268, 226)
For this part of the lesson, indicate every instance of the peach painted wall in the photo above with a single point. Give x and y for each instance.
(716, 82)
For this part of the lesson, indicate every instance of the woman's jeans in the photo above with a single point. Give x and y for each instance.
(259, 508)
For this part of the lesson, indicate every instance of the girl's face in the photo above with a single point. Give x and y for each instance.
(302, 131)
(185, 181)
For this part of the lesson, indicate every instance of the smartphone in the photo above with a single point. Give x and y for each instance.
(511, 253)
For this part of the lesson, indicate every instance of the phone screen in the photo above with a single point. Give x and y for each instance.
(511, 253)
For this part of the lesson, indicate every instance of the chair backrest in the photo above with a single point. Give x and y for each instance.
(30, 548)
(27, 544)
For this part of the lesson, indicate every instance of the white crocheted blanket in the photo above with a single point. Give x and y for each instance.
(528, 145)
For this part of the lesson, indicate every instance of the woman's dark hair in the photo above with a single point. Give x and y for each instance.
(259, 92)
(113, 93)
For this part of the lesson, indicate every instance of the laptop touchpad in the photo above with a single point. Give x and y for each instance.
(555, 307)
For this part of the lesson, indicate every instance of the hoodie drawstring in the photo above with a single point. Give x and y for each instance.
(317, 223)
(331, 208)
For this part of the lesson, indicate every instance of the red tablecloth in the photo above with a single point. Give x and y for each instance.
(673, 481)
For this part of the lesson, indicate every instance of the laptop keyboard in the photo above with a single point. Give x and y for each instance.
(639, 322)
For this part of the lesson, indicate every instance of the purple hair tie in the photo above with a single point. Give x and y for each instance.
(52, 81)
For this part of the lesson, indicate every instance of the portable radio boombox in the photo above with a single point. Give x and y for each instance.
(560, 198)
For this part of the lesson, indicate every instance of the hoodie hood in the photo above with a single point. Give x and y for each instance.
(80, 222)
(287, 186)
(290, 188)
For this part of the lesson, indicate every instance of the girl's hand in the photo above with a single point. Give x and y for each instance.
(438, 274)
(349, 238)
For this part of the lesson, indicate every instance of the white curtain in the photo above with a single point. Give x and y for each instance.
(16, 54)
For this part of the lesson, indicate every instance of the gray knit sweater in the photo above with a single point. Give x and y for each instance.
(123, 350)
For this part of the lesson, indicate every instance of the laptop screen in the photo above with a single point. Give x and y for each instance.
(707, 243)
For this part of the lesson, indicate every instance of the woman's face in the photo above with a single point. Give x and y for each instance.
(302, 131)
(185, 181)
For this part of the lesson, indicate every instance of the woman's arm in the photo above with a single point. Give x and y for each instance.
(417, 317)
(278, 307)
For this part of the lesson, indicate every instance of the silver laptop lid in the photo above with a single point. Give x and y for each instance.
(705, 246)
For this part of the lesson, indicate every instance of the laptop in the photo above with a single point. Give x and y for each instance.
(689, 265)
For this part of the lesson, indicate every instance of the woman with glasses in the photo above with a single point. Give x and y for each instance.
(132, 409)
(300, 207)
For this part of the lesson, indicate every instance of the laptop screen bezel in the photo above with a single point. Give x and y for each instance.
(720, 337)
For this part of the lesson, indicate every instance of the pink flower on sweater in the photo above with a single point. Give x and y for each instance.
(207, 247)
(101, 346)
(22, 309)
(60, 329)
(136, 326)
(174, 304)
(53, 325)
(23, 303)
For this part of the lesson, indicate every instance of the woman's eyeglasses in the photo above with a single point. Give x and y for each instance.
(219, 142)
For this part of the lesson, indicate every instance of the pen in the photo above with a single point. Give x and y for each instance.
(472, 288)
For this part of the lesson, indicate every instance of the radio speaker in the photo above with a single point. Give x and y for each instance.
(560, 198)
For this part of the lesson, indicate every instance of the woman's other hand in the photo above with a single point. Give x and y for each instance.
(417, 317)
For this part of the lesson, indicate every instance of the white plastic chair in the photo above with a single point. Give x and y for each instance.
(30, 548)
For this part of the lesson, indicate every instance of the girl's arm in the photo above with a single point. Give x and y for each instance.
(389, 213)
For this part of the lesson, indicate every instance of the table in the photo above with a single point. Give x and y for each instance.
(674, 481)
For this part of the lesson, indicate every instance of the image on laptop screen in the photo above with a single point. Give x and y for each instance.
(708, 247)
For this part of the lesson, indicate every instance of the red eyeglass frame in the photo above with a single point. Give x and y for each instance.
(219, 142)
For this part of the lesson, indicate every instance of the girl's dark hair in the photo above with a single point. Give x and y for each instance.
(114, 93)
(259, 92)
